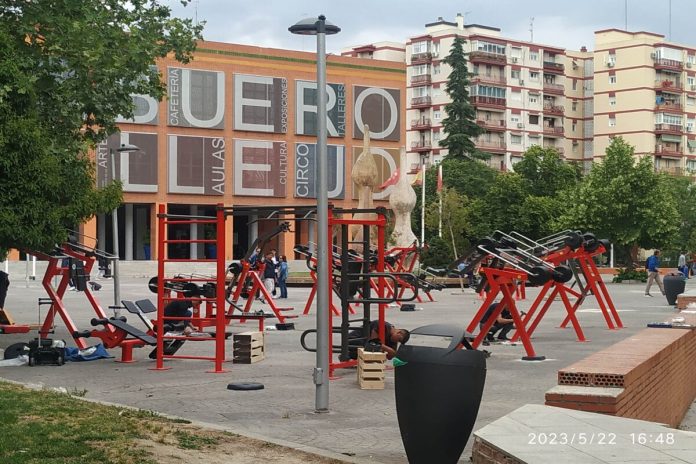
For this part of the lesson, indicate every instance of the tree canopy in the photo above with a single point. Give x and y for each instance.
(460, 122)
(68, 69)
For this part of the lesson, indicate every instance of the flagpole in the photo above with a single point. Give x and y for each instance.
(422, 200)
(439, 191)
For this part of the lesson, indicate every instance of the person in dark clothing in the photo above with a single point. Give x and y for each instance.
(181, 308)
(503, 323)
(283, 276)
(269, 274)
(392, 337)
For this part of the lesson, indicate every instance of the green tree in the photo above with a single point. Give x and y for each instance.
(68, 69)
(545, 172)
(454, 220)
(460, 123)
(501, 208)
(624, 200)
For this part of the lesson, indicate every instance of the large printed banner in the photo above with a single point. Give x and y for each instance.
(387, 160)
(145, 111)
(306, 166)
(260, 168)
(196, 165)
(260, 103)
(378, 108)
(196, 98)
(306, 109)
(136, 170)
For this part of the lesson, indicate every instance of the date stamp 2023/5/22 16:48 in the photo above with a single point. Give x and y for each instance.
(599, 438)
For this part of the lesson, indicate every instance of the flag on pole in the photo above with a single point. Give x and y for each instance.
(418, 180)
(439, 178)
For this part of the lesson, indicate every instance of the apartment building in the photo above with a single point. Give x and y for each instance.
(238, 127)
(645, 91)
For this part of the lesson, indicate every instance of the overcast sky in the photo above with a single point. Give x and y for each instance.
(565, 23)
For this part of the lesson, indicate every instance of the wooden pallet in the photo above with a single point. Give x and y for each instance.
(371, 370)
(248, 347)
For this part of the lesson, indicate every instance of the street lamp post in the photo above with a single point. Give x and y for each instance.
(124, 148)
(320, 27)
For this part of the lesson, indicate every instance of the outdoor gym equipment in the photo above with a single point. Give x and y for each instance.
(360, 272)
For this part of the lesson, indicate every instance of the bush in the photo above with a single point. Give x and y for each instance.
(438, 254)
(631, 274)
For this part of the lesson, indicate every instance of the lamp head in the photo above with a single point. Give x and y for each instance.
(127, 147)
(314, 26)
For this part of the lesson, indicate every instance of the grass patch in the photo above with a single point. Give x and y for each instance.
(195, 441)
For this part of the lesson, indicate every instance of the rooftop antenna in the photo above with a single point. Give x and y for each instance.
(195, 12)
(531, 28)
(464, 17)
(626, 15)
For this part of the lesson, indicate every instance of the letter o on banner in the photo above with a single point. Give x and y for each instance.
(392, 107)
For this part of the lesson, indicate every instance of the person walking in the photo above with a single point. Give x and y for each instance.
(283, 277)
(681, 265)
(653, 267)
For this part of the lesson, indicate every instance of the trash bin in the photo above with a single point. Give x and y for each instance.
(674, 285)
(438, 393)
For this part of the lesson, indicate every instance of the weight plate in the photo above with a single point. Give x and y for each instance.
(562, 273)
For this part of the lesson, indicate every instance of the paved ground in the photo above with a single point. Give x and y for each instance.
(361, 423)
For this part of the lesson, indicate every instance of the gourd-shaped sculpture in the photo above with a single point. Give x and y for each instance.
(402, 200)
(364, 176)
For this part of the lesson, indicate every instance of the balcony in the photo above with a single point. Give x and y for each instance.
(554, 88)
(420, 58)
(676, 129)
(675, 171)
(553, 67)
(553, 109)
(420, 124)
(667, 85)
(487, 57)
(488, 102)
(669, 65)
(492, 124)
(670, 151)
(553, 147)
(423, 145)
(491, 145)
(415, 167)
(553, 131)
(669, 107)
(423, 79)
(483, 79)
(419, 102)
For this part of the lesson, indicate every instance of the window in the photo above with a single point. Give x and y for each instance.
(574, 105)
(516, 52)
(534, 76)
(435, 48)
(490, 48)
(421, 69)
(690, 101)
(516, 96)
(533, 98)
(420, 92)
(534, 56)
(690, 125)
(612, 79)
(437, 91)
(420, 47)
(437, 115)
(515, 73)
(691, 165)
(487, 91)
(534, 119)
(664, 118)
(612, 101)
(436, 136)
(514, 119)
(436, 69)
(611, 59)
(612, 121)
(516, 139)
(574, 126)
(575, 84)
(534, 140)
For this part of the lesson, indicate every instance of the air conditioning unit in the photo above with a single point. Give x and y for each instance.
(653, 55)
(520, 125)
(514, 59)
(521, 82)
(610, 64)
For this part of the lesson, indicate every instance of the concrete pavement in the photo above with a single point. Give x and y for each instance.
(361, 423)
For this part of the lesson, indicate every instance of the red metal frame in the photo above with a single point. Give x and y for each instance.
(405, 262)
(380, 222)
(501, 281)
(257, 286)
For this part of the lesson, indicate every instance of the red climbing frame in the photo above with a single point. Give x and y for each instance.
(257, 286)
(219, 319)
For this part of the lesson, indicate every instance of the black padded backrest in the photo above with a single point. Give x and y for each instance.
(130, 306)
(146, 306)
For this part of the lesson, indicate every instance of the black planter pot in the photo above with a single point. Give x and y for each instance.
(674, 285)
(438, 393)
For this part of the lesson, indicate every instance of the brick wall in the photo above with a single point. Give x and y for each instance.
(484, 453)
(649, 376)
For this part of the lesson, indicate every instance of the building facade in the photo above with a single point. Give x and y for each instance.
(238, 127)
